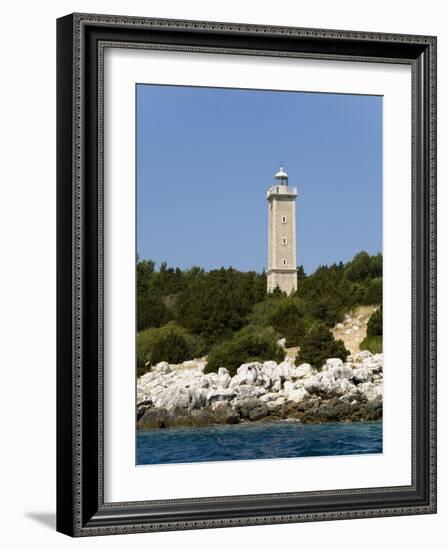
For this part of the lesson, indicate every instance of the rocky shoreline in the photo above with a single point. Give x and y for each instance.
(182, 395)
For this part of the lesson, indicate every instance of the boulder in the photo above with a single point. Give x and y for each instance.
(189, 364)
(220, 395)
(248, 373)
(325, 383)
(223, 379)
(223, 413)
(303, 370)
(162, 368)
(297, 395)
(268, 397)
(289, 386)
(361, 374)
(197, 397)
(258, 412)
(370, 391)
(362, 356)
(248, 391)
(282, 343)
(251, 409)
(172, 397)
(153, 418)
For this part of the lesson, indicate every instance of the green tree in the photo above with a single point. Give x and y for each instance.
(217, 304)
(170, 343)
(327, 294)
(359, 268)
(319, 345)
(245, 346)
(374, 344)
(373, 293)
(363, 266)
(151, 311)
(287, 317)
(300, 272)
(375, 324)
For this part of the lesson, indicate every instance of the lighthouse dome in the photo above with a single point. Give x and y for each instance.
(281, 176)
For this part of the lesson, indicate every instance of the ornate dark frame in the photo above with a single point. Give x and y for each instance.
(81, 39)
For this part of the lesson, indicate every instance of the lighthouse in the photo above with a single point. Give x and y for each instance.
(282, 266)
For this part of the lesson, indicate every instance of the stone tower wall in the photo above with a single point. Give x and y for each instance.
(282, 243)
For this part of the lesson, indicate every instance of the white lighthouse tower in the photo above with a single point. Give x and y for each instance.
(282, 266)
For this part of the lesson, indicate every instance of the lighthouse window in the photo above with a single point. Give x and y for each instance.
(283, 219)
(284, 240)
(285, 262)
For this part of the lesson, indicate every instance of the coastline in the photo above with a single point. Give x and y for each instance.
(172, 396)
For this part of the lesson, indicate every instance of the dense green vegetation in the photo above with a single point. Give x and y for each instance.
(227, 314)
(171, 343)
(374, 339)
(372, 343)
(319, 345)
(249, 344)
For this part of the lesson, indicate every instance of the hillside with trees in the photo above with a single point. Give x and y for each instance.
(227, 314)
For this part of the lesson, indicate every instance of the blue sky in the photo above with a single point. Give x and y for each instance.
(205, 157)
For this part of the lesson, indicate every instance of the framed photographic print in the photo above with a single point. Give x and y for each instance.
(246, 274)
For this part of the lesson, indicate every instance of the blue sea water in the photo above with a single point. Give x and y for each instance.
(281, 439)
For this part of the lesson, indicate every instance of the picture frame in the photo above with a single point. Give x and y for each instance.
(81, 506)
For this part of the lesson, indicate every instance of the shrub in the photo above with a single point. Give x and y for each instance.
(249, 344)
(372, 343)
(288, 319)
(169, 346)
(286, 315)
(375, 324)
(170, 343)
(319, 345)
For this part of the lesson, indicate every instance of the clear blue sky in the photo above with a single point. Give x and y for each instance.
(205, 157)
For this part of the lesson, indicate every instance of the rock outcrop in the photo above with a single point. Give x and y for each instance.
(182, 395)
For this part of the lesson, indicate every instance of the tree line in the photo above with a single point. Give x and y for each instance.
(227, 314)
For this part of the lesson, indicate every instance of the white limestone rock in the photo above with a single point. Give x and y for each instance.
(173, 397)
(189, 364)
(303, 370)
(334, 362)
(162, 367)
(361, 356)
(223, 379)
(370, 391)
(220, 395)
(244, 391)
(269, 397)
(248, 373)
(361, 374)
(296, 395)
(282, 343)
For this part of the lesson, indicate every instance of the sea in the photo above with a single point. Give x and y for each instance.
(258, 440)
